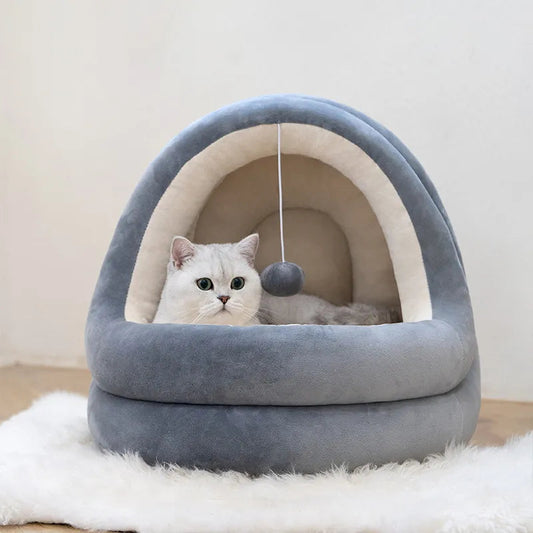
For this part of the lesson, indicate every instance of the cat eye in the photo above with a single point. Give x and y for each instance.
(237, 283)
(204, 284)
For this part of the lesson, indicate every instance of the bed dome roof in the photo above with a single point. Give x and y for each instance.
(336, 169)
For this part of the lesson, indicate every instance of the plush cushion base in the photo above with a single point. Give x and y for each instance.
(260, 439)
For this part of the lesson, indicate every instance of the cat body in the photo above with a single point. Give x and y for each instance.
(218, 284)
(310, 309)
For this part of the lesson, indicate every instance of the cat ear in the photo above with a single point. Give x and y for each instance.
(248, 247)
(181, 250)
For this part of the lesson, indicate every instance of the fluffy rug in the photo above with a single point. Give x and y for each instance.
(50, 471)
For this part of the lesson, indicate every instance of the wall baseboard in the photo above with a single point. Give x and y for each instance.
(51, 361)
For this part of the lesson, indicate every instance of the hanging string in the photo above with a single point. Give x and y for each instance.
(280, 194)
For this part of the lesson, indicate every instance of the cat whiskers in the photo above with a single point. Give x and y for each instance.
(206, 311)
(262, 315)
(242, 311)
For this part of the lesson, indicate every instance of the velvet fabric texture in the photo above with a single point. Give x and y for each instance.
(264, 398)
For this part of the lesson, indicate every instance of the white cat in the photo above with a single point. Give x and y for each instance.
(211, 283)
(218, 284)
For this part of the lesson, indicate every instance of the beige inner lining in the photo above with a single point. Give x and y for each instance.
(344, 222)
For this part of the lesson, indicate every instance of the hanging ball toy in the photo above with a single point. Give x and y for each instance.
(284, 278)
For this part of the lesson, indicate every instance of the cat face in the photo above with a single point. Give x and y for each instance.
(213, 283)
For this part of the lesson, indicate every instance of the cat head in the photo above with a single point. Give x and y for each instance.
(212, 283)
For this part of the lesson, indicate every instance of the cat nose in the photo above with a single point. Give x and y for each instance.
(223, 299)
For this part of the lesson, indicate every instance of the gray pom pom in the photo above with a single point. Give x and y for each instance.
(282, 279)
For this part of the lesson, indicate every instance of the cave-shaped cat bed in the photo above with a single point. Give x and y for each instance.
(365, 223)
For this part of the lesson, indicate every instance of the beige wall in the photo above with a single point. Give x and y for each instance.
(91, 91)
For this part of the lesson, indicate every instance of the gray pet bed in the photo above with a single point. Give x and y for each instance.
(365, 223)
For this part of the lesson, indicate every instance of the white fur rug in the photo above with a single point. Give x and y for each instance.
(50, 471)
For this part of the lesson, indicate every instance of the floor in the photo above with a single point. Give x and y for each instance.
(20, 385)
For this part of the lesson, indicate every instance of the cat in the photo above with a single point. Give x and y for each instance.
(218, 284)
(211, 284)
